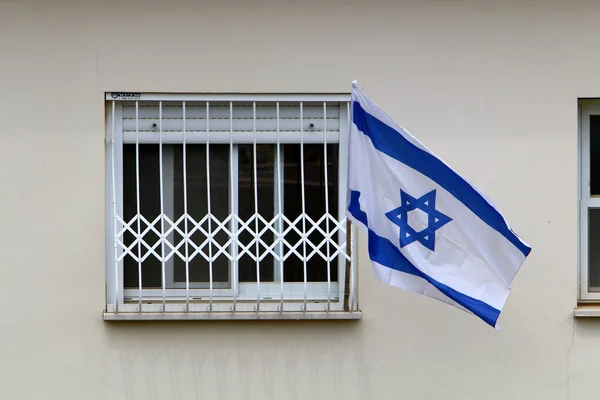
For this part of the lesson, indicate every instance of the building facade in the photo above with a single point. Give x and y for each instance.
(500, 90)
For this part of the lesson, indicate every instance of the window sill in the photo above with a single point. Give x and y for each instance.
(587, 310)
(238, 316)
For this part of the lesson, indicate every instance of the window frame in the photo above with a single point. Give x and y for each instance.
(344, 298)
(587, 201)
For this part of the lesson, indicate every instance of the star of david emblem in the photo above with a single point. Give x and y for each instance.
(435, 219)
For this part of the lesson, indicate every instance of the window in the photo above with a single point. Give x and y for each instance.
(589, 279)
(230, 206)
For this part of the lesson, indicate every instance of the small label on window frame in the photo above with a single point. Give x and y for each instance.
(126, 96)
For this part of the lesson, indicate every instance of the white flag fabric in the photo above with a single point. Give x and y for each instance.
(429, 230)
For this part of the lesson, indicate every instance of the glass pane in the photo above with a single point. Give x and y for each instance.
(595, 154)
(265, 155)
(314, 187)
(174, 206)
(594, 249)
(150, 209)
(197, 208)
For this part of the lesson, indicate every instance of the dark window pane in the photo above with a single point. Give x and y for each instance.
(265, 166)
(314, 187)
(197, 208)
(595, 154)
(173, 203)
(594, 250)
(150, 209)
(220, 203)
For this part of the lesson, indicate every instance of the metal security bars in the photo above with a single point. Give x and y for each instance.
(228, 207)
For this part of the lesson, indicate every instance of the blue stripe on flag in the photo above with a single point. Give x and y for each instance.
(354, 208)
(383, 252)
(391, 142)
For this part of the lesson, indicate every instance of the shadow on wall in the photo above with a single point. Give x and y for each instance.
(241, 359)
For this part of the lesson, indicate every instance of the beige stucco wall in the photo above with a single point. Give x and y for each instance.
(490, 86)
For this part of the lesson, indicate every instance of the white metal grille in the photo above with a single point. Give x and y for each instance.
(202, 186)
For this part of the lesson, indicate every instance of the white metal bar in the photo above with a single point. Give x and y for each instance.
(303, 205)
(185, 212)
(137, 195)
(114, 201)
(352, 268)
(210, 238)
(293, 290)
(195, 137)
(220, 125)
(353, 271)
(162, 207)
(255, 168)
(233, 193)
(119, 194)
(219, 116)
(233, 97)
(281, 248)
(219, 110)
(326, 207)
(227, 316)
(244, 305)
(344, 117)
(317, 291)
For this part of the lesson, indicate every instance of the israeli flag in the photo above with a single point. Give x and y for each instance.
(429, 230)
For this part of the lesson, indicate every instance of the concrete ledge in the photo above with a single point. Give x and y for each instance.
(239, 316)
(591, 310)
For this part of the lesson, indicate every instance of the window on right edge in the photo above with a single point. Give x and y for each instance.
(589, 205)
